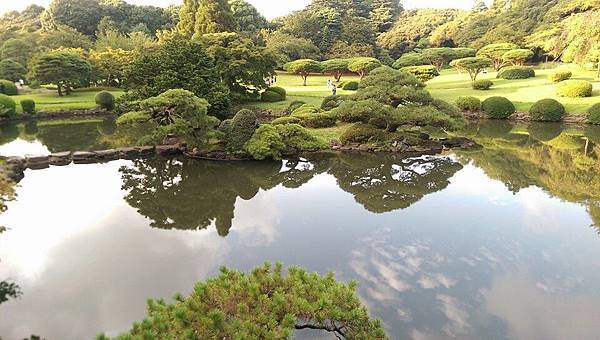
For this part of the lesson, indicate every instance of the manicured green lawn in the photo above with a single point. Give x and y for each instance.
(451, 85)
(50, 101)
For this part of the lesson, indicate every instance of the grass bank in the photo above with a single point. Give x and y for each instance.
(50, 101)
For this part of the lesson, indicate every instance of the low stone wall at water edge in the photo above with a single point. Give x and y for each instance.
(14, 167)
(57, 114)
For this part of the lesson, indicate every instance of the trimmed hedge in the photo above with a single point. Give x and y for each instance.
(423, 72)
(7, 106)
(516, 72)
(286, 120)
(482, 85)
(28, 106)
(331, 102)
(295, 105)
(575, 89)
(8, 88)
(306, 108)
(315, 120)
(105, 100)
(547, 110)
(559, 76)
(498, 107)
(361, 133)
(271, 96)
(350, 86)
(469, 104)
(282, 92)
(594, 114)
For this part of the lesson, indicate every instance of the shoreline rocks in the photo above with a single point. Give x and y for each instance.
(57, 114)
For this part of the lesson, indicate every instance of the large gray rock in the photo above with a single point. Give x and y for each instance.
(167, 149)
(38, 162)
(60, 158)
(82, 157)
(109, 154)
(128, 152)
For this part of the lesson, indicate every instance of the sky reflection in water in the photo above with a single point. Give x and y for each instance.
(481, 244)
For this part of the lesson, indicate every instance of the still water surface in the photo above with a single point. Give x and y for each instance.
(497, 242)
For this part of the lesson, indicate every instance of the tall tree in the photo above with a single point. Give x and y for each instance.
(247, 17)
(187, 17)
(65, 70)
(214, 16)
(383, 13)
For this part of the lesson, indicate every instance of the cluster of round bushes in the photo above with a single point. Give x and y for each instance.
(498, 108)
(558, 76)
(516, 72)
(482, 84)
(273, 94)
(575, 89)
(8, 88)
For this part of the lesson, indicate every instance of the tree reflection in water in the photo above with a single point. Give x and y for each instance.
(186, 194)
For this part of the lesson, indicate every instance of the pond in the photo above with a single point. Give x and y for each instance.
(494, 242)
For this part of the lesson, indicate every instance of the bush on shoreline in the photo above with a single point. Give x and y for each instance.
(28, 106)
(469, 104)
(498, 108)
(7, 106)
(547, 110)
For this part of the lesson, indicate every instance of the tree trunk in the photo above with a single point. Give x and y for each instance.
(598, 73)
(338, 76)
(59, 90)
(304, 77)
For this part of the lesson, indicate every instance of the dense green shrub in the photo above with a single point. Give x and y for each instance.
(350, 86)
(446, 108)
(8, 88)
(411, 59)
(242, 127)
(286, 120)
(516, 72)
(594, 114)
(12, 70)
(575, 89)
(559, 76)
(7, 106)
(306, 108)
(331, 102)
(361, 133)
(482, 84)
(265, 143)
(361, 111)
(498, 107)
(297, 139)
(269, 96)
(315, 120)
(295, 105)
(469, 104)
(547, 110)
(423, 72)
(28, 106)
(105, 100)
(282, 92)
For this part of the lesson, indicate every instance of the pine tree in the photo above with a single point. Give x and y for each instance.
(383, 13)
(214, 16)
(479, 6)
(187, 22)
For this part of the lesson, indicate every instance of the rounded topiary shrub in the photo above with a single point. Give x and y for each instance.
(469, 104)
(516, 72)
(547, 110)
(331, 102)
(7, 106)
(306, 108)
(28, 106)
(594, 114)
(286, 120)
(575, 89)
(350, 86)
(482, 85)
(8, 88)
(559, 76)
(315, 120)
(282, 92)
(498, 107)
(361, 133)
(295, 105)
(105, 100)
(271, 97)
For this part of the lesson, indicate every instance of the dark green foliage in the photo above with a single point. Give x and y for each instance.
(286, 120)
(178, 64)
(469, 104)
(65, 70)
(350, 86)
(446, 108)
(575, 89)
(268, 304)
(19, 50)
(105, 100)
(298, 139)
(423, 72)
(265, 143)
(361, 111)
(247, 17)
(331, 102)
(271, 96)
(7, 106)
(559, 76)
(12, 70)
(547, 110)
(482, 84)
(243, 125)
(8, 88)
(361, 133)
(498, 107)
(594, 114)
(282, 92)
(28, 106)
(315, 120)
(295, 105)
(516, 72)
(336, 67)
(411, 59)
(427, 115)
(544, 132)
(303, 68)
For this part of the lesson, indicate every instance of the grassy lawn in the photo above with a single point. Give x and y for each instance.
(50, 101)
(451, 85)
